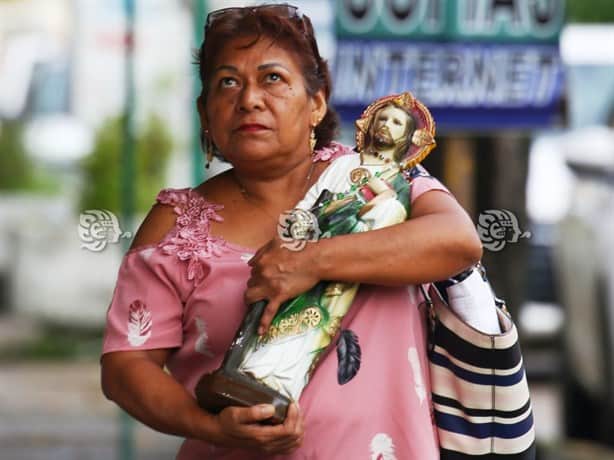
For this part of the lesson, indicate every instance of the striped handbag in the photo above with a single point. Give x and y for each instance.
(479, 388)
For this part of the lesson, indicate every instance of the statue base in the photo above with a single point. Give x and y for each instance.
(224, 388)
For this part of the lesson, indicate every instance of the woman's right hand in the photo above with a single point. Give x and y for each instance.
(241, 427)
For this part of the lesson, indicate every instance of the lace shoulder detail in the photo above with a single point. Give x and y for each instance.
(331, 152)
(173, 196)
(191, 240)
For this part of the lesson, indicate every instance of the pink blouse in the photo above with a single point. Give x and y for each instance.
(186, 293)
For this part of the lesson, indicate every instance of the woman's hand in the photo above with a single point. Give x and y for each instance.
(241, 427)
(136, 381)
(279, 274)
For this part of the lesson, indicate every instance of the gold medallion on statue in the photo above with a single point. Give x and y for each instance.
(311, 317)
(359, 175)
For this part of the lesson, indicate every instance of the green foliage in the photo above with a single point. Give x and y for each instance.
(102, 168)
(55, 343)
(152, 155)
(590, 11)
(18, 173)
(15, 166)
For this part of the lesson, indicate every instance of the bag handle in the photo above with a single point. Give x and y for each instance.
(427, 297)
(432, 315)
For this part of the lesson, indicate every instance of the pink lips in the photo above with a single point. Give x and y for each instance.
(251, 127)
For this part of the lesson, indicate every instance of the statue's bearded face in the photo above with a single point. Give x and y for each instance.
(390, 127)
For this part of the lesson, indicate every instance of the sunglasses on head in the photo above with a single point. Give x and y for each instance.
(282, 9)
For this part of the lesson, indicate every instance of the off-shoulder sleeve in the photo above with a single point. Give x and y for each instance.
(147, 303)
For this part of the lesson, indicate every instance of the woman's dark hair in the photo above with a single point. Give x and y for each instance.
(295, 34)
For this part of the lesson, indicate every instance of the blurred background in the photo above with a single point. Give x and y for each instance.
(97, 114)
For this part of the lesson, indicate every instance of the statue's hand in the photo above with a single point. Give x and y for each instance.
(279, 274)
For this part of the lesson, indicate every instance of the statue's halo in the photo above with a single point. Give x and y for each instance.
(423, 139)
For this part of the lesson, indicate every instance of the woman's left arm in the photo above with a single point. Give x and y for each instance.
(438, 241)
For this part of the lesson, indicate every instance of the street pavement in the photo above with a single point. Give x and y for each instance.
(56, 411)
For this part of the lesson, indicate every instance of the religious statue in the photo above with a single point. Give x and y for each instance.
(361, 192)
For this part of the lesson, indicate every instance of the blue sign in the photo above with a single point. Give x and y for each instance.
(464, 85)
(467, 20)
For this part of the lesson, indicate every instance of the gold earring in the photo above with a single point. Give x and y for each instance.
(207, 147)
(210, 148)
(312, 140)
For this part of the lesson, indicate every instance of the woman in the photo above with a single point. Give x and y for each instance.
(193, 268)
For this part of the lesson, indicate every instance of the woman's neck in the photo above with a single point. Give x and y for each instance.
(279, 191)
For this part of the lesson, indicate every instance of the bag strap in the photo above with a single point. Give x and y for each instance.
(427, 297)
(432, 315)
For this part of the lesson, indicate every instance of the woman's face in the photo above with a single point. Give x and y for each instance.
(257, 105)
